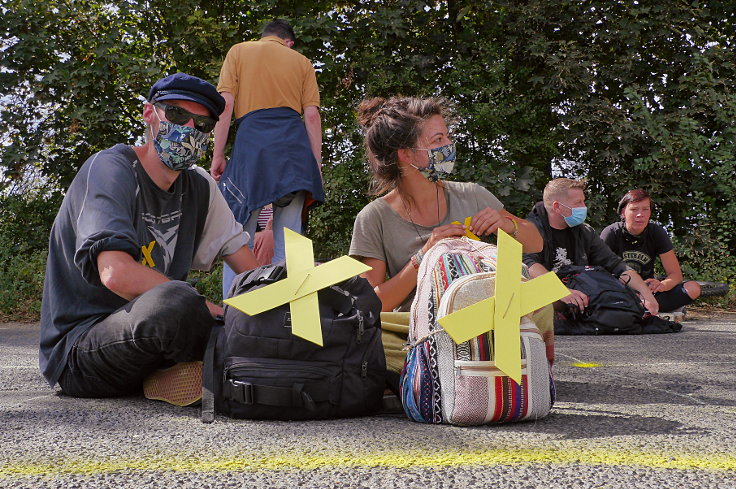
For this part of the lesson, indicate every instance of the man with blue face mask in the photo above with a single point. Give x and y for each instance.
(116, 305)
(560, 219)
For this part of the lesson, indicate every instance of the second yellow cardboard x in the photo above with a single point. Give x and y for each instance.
(502, 312)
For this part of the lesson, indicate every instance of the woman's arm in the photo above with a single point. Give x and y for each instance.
(489, 221)
(674, 273)
(394, 291)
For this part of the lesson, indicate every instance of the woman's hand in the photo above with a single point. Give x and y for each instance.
(671, 266)
(442, 232)
(655, 285)
(488, 221)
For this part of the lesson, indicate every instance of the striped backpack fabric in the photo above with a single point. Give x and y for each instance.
(444, 382)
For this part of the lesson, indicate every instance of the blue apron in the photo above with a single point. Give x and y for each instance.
(271, 158)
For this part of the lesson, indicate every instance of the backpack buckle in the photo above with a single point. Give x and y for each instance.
(241, 392)
(269, 274)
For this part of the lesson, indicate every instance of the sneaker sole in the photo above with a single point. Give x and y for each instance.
(180, 385)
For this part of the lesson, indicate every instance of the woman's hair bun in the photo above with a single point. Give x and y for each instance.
(369, 109)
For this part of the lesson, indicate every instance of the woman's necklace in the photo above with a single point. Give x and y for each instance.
(408, 213)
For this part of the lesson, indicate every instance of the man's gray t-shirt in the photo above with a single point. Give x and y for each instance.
(381, 233)
(113, 205)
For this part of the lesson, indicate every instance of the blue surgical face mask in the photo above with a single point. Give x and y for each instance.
(577, 217)
(179, 147)
(441, 162)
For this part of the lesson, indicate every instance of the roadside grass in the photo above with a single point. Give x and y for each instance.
(21, 287)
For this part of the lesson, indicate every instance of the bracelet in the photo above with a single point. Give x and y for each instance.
(516, 226)
(416, 259)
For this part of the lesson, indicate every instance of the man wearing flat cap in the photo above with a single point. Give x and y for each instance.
(116, 307)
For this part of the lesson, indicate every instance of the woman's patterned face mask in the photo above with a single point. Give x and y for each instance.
(441, 162)
(179, 147)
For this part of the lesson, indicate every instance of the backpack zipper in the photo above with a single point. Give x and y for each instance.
(361, 327)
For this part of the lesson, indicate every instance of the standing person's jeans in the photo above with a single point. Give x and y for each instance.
(168, 324)
(289, 216)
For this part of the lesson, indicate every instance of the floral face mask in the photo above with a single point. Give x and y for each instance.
(179, 147)
(441, 162)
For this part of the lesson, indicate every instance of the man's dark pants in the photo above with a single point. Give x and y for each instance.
(166, 325)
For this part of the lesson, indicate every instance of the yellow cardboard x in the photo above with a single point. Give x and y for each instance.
(470, 234)
(300, 288)
(513, 299)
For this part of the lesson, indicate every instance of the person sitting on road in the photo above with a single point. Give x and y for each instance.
(560, 218)
(410, 153)
(133, 223)
(639, 241)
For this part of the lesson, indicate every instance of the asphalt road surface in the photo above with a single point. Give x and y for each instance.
(653, 411)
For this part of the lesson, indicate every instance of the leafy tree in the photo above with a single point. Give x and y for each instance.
(622, 92)
(646, 99)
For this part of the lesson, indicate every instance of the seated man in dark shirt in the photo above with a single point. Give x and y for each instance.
(569, 241)
(116, 305)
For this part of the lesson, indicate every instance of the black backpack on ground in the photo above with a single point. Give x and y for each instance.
(613, 308)
(256, 368)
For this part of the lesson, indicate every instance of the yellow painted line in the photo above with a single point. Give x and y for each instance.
(586, 365)
(389, 460)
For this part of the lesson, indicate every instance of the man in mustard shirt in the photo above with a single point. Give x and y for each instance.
(276, 157)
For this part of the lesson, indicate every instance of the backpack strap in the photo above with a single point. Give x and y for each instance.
(208, 374)
(337, 298)
(269, 395)
(266, 274)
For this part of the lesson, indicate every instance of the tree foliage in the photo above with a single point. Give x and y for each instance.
(622, 92)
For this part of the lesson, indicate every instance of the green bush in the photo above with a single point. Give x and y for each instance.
(21, 284)
(26, 216)
(25, 222)
(626, 94)
(209, 284)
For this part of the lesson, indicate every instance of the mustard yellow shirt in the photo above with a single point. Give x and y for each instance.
(266, 73)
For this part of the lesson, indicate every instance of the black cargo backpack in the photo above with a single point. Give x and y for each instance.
(613, 308)
(256, 368)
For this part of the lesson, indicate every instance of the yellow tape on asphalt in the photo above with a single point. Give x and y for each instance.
(389, 460)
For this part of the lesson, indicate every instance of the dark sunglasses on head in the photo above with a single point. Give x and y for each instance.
(180, 116)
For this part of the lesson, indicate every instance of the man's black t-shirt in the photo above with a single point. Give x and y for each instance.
(564, 247)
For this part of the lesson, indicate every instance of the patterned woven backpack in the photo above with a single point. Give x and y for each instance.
(444, 382)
